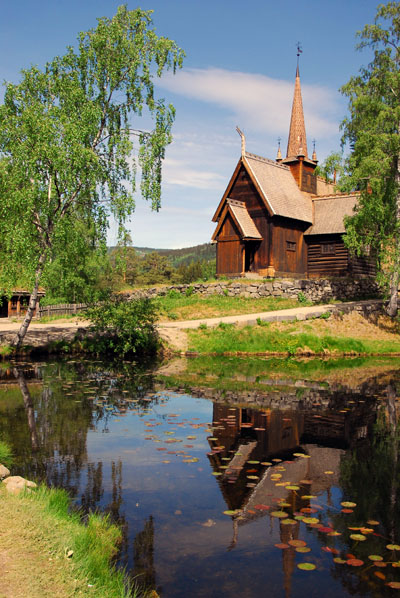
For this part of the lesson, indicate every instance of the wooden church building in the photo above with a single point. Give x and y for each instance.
(278, 218)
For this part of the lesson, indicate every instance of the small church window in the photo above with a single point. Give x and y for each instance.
(290, 246)
(328, 248)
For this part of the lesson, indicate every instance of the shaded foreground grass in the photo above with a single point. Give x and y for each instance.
(175, 306)
(228, 338)
(37, 535)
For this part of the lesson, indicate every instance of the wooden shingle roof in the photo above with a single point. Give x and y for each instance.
(278, 188)
(329, 213)
(242, 218)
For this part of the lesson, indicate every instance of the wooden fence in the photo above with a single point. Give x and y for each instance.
(61, 310)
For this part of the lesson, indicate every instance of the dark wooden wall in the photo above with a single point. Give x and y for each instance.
(322, 263)
(304, 176)
(229, 248)
(288, 250)
(230, 257)
(327, 263)
(362, 266)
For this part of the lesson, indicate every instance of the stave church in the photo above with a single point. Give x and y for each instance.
(278, 218)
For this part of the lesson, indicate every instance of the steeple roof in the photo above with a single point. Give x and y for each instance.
(297, 142)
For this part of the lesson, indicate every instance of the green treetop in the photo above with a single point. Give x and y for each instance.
(66, 142)
(373, 132)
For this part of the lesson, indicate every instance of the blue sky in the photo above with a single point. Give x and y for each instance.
(239, 70)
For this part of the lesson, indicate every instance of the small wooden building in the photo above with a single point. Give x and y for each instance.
(17, 305)
(277, 218)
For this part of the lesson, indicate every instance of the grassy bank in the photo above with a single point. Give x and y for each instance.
(47, 551)
(294, 338)
(175, 306)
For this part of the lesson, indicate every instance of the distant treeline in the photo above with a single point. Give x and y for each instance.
(186, 255)
(98, 273)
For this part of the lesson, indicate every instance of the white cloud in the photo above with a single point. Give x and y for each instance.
(177, 172)
(258, 102)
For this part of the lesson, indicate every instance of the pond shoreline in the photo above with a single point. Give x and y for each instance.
(190, 338)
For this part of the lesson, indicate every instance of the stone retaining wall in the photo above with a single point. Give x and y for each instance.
(319, 290)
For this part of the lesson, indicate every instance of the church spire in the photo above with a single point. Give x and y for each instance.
(297, 142)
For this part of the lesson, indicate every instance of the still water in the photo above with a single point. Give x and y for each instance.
(229, 477)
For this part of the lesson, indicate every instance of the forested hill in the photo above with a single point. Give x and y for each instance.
(184, 256)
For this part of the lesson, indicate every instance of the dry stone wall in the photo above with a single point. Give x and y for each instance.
(319, 290)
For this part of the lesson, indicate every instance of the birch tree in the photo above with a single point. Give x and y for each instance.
(373, 131)
(66, 143)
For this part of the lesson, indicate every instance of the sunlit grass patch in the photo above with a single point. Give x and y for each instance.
(260, 339)
(176, 306)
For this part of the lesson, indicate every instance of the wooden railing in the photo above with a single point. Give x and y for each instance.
(61, 310)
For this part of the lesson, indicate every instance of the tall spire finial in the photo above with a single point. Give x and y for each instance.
(297, 142)
(279, 153)
(314, 154)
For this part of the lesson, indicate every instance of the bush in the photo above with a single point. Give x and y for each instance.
(123, 327)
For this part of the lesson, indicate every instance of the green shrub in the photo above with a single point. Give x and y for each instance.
(5, 454)
(123, 327)
(302, 299)
(326, 315)
(173, 294)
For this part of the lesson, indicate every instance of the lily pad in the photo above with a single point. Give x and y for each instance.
(306, 566)
(297, 543)
(358, 537)
(279, 514)
(348, 504)
(355, 562)
(393, 546)
(310, 520)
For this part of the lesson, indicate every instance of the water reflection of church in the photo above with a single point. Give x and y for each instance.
(250, 447)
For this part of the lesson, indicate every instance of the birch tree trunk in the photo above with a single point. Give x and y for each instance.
(394, 278)
(32, 303)
(19, 375)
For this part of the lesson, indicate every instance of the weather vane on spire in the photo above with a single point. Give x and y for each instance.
(299, 51)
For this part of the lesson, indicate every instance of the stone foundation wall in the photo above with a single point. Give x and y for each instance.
(319, 290)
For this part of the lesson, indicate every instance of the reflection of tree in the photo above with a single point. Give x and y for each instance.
(93, 492)
(369, 476)
(143, 556)
(30, 412)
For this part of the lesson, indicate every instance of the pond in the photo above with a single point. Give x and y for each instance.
(229, 477)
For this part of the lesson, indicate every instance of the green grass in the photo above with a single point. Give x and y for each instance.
(5, 454)
(93, 544)
(47, 319)
(6, 351)
(263, 339)
(191, 307)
